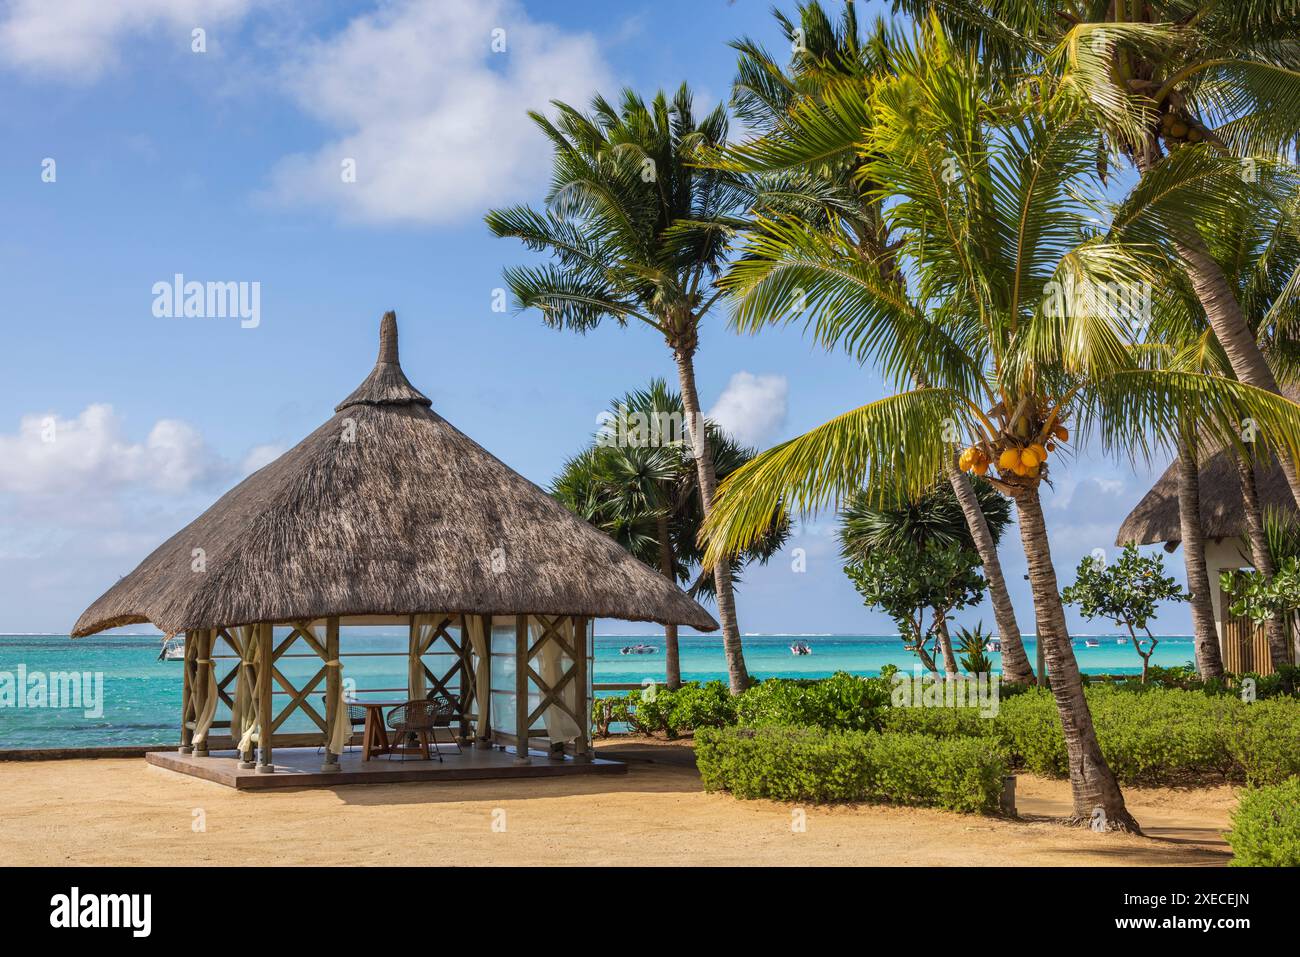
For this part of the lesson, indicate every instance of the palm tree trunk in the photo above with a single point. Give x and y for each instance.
(1015, 663)
(672, 663)
(945, 645)
(1209, 662)
(737, 674)
(1225, 317)
(1274, 628)
(1091, 780)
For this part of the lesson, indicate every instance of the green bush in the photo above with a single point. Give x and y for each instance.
(1263, 740)
(940, 722)
(1266, 827)
(658, 710)
(1028, 727)
(842, 702)
(819, 765)
(1161, 736)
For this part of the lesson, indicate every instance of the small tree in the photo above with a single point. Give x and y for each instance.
(1126, 593)
(973, 645)
(906, 583)
(909, 555)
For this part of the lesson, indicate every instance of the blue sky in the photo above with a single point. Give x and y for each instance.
(224, 165)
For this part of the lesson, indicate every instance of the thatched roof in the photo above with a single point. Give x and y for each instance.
(386, 509)
(1155, 519)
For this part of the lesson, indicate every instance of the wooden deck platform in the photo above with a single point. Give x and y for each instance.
(300, 768)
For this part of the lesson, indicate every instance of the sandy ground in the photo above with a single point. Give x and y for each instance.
(122, 811)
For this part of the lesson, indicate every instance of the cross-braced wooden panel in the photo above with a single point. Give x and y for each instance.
(553, 629)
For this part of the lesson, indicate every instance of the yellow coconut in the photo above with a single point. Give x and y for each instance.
(1041, 452)
(1029, 458)
(1009, 460)
(1020, 470)
(981, 468)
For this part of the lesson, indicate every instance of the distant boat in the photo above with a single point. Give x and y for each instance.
(993, 644)
(1091, 643)
(173, 649)
(1121, 641)
(640, 650)
(800, 648)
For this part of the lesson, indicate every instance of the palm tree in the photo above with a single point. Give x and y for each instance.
(1215, 82)
(1002, 261)
(824, 182)
(643, 491)
(932, 521)
(636, 230)
(1257, 247)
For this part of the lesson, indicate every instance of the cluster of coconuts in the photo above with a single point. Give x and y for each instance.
(1024, 461)
(1177, 129)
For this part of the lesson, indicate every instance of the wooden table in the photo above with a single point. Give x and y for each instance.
(375, 740)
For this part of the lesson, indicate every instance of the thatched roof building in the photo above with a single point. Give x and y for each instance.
(386, 509)
(1155, 518)
(386, 515)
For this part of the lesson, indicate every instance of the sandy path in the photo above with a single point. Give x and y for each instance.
(122, 811)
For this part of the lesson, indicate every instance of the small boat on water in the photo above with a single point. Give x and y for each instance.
(993, 644)
(639, 650)
(173, 649)
(1091, 643)
(800, 648)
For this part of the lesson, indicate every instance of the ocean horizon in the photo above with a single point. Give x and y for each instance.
(141, 695)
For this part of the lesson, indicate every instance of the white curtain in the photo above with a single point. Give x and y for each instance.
(243, 716)
(340, 732)
(482, 677)
(203, 721)
(559, 725)
(422, 629)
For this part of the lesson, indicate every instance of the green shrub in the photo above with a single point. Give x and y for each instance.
(940, 722)
(819, 765)
(842, 702)
(1163, 736)
(1160, 736)
(1028, 727)
(1266, 827)
(1263, 740)
(657, 710)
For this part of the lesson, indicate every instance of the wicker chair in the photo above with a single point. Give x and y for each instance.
(423, 720)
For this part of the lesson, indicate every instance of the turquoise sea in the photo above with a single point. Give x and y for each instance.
(140, 700)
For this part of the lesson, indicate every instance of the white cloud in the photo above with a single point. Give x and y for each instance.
(80, 39)
(752, 407)
(88, 454)
(431, 116)
(260, 455)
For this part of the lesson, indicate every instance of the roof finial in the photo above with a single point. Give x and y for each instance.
(388, 338)
(386, 384)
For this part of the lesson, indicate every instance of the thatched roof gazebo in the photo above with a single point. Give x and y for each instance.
(1156, 518)
(384, 514)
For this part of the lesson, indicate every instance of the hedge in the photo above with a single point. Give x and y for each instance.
(843, 701)
(1266, 827)
(1160, 736)
(819, 765)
